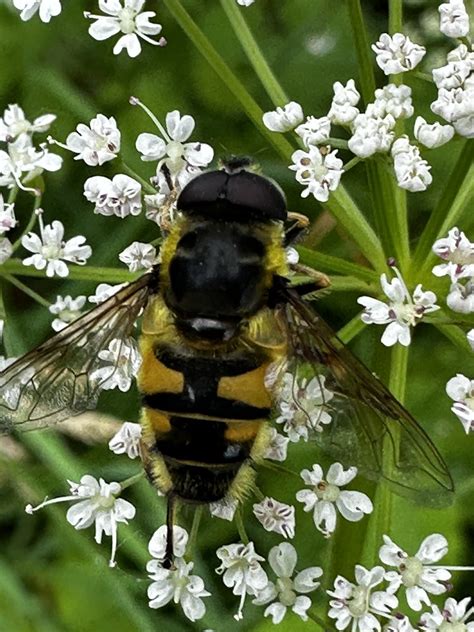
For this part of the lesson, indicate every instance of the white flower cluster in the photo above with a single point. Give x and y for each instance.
(174, 584)
(402, 312)
(358, 606)
(455, 83)
(126, 18)
(457, 253)
(95, 503)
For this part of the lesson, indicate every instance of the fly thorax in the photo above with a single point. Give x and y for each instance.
(286, 594)
(411, 571)
(326, 491)
(127, 20)
(359, 601)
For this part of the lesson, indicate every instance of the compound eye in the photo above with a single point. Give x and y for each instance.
(188, 241)
(250, 246)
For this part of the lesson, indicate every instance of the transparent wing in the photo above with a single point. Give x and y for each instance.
(64, 376)
(368, 427)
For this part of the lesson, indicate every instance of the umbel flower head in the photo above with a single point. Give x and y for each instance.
(95, 502)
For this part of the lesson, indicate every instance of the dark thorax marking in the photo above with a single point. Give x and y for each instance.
(201, 382)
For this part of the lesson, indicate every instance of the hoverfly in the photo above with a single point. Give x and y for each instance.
(220, 313)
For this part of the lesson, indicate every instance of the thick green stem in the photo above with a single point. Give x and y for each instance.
(31, 223)
(389, 205)
(351, 329)
(328, 263)
(88, 273)
(457, 193)
(395, 25)
(249, 44)
(236, 87)
(26, 290)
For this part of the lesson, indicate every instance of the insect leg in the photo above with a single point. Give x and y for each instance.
(297, 228)
(168, 562)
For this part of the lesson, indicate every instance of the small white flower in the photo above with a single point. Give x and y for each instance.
(95, 502)
(314, 131)
(47, 8)
(461, 297)
(138, 256)
(6, 249)
(303, 406)
(51, 251)
(13, 123)
(121, 363)
(276, 516)
(121, 196)
(245, 3)
(292, 256)
(433, 135)
(7, 216)
(104, 291)
(415, 573)
(458, 253)
(182, 159)
(282, 559)
(277, 447)
(66, 309)
(411, 171)
(180, 586)
(285, 118)
(319, 170)
(356, 604)
(397, 53)
(453, 19)
(22, 158)
(326, 495)
(394, 100)
(241, 571)
(470, 339)
(398, 623)
(158, 543)
(224, 509)
(97, 142)
(126, 17)
(453, 616)
(401, 313)
(127, 440)
(371, 134)
(343, 110)
(461, 390)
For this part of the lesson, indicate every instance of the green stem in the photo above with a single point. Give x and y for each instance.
(88, 273)
(457, 193)
(239, 523)
(26, 290)
(363, 52)
(281, 469)
(236, 87)
(147, 186)
(132, 480)
(456, 335)
(352, 163)
(31, 223)
(395, 25)
(12, 195)
(198, 513)
(248, 42)
(351, 329)
(338, 143)
(424, 76)
(349, 284)
(330, 263)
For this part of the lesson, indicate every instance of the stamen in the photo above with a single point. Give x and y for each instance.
(61, 499)
(136, 101)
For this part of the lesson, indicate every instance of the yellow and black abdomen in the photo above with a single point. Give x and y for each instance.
(203, 418)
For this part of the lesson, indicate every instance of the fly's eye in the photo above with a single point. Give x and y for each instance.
(188, 241)
(250, 246)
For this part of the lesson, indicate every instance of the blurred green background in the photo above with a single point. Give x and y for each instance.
(53, 578)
